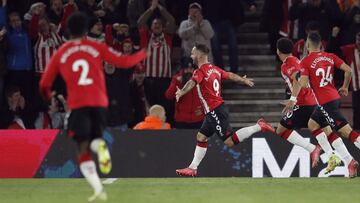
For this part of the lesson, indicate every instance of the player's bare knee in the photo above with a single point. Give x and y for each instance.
(280, 129)
(312, 125)
(229, 142)
(345, 131)
(201, 137)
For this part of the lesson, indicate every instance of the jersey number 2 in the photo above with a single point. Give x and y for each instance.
(326, 77)
(83, 80)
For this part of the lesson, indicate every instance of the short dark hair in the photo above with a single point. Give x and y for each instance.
(314, 38)
(285, 45)
(313, 25)
(77, 24)
(203, 48)
(11, 90)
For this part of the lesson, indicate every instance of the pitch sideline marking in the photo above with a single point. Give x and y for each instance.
(109, 181)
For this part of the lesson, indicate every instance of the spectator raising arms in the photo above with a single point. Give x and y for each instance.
(158, 41)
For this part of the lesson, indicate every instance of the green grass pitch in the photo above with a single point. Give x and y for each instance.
(188, 190)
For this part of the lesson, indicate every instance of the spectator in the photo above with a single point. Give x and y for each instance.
(225, 18)
(16, 114)
(299, 49)
(116, 34)
(158, 42)
(37, 8)
(53, 117)
(112, 13)
(351, 24)
(326, 12)
(271, 20)
(91, 8)
(19, 57)
(56, 11)
(188, 111)
(3, 48)
(155, 120)
(351, 54)
(96, 30)
(195, 30)
(120, 107)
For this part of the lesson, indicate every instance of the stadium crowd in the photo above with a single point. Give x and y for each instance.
(32, 30)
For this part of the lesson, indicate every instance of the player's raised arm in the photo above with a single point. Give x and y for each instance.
(116, 58)
(238, 79)
(344, 90)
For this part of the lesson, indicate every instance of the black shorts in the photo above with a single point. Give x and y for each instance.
(217, 121)
(329, 114)
(299, 118)
(86, 124)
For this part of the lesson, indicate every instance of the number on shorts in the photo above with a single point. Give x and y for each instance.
(216, 86)
(83, 80)
(326, 77)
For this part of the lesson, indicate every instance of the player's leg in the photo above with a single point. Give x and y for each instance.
(244, 133)
(98, 144)
(79, 127)
(206, 131)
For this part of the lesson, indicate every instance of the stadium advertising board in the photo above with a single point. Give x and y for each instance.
(158, 154)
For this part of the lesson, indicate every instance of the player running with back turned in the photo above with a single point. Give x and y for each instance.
(207, 80)
(318, 70)
(80, 63)
(300, 115)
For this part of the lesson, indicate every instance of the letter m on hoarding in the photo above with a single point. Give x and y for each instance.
(262, 154)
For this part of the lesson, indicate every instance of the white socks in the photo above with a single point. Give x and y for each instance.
(88, 169)
(246, 132)
(340, 148)
(199, 154)
(323, 142)
(296, 139)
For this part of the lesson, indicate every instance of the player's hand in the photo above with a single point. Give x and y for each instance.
(343, 91)
(248, 81)
(289, 106)
(179, 93)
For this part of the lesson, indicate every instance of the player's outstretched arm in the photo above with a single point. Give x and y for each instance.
(187, 88)
(297, 85)
(116, 58)
(344, 90)
(238, 79)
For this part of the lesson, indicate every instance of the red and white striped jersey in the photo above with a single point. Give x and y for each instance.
(208, 78)
(352, 57)
(44, 48)
(158, 62)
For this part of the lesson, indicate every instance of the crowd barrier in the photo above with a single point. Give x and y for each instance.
(50, 154)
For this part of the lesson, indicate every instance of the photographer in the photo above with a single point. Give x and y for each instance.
(188, 111)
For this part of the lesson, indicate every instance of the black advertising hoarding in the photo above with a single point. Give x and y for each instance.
(159, 153)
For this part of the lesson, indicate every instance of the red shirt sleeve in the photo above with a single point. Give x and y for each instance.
(108, 35)
(303, 68)
(337, 61)
(295, 49)
(116, 58)
(198, 76)
(224, 74)
(49, 76)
